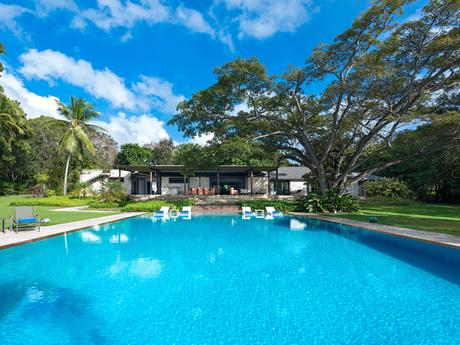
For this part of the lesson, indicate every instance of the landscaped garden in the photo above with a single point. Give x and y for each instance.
(46, 209)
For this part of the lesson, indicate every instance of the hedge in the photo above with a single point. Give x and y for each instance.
(59, 201)
(281, 205)
(154, 205)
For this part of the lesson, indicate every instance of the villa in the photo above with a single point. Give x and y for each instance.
(231, 180)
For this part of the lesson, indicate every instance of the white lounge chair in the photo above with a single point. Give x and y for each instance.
(186, 211)
(247, 211)
(272, 212)
(163, 212)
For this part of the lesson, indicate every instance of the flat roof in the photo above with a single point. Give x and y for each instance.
(178, 168)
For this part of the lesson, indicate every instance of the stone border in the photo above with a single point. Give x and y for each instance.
(419, 235)
(11, 239)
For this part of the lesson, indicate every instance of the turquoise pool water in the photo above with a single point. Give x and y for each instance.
(224, 280)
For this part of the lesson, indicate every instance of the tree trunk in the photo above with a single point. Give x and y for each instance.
(66, 173)
(322, 178)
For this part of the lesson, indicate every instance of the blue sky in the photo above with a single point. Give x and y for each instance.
(134, 60)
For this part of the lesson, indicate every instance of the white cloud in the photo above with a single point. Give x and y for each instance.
(51, 65)
(110, 14)
(157, 93)
(202, 139)
(142, 129)
(263, 18)
(149, 92)
(45, 7)
(9, 15)
(33, 104)
(193, 20)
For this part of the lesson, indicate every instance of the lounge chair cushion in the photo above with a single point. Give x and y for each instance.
(27, 220)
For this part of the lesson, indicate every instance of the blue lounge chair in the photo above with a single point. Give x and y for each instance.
(24, 217)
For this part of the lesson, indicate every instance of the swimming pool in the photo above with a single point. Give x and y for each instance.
(223, 280)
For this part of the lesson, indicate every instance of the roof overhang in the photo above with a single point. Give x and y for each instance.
(178, 168)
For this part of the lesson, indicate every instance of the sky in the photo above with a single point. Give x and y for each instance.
(135, 60)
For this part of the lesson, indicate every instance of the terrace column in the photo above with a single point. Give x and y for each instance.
(151, 182)
(252, 182)
(218, 183)
(276, 182)
(119, 174)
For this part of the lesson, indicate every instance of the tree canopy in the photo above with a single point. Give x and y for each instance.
(378, 74)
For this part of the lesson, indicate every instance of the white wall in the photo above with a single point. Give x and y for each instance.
(259, 184)
(354, 189)
(295, 186)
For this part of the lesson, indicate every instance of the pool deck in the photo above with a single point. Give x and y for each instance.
(10, 238)
(425, 236)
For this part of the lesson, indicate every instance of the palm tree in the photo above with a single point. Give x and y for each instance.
(10, 118)
(75, 140)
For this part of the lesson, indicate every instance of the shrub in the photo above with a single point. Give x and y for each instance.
(388, 188)
(112, 192)
(333, 201)
(154, 205)
(7, 188)
(281, 205)
(60, 201)
(99, 204)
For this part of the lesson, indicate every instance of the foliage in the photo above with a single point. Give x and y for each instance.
(333, 201)
(387, 188)
(8, 188)
(81, 190)
(154, 205)
(112, 192)
(430, 157)
(41, 180)
(100, 204)
(59, 201)
(76, 140)
(281, 205)
(378, 75)
(134, 154)
(162, 152)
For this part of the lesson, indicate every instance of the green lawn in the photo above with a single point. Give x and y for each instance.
(56, 217)
(414, 215)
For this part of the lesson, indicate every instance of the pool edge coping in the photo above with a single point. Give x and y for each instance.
(35, 236)
(436, 238)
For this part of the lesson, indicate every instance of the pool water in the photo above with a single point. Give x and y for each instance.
(224, 280)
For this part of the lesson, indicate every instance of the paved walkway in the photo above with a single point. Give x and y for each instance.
(426, 236)
(84, 208)
(11, 238)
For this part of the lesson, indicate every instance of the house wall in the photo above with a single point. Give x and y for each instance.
(355, 189)
(296, 186)
(260, 184)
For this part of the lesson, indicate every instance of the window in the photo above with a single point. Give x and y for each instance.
(173, 180)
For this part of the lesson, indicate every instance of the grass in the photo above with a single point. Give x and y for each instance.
(55, 217)
(410, 214)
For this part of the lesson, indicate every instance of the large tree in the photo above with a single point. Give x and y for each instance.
(377, 74)
(134, 154)
(162, 151)
(76, 141)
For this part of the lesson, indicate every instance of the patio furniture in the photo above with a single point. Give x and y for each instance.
(245, 191)
(186, 211)
(233, 191)
(247, 211)
(272, 212)
(163, 212)
(193, 192)
(200, 191)
(205, 191)
(24, 217)
(212, 191)
(259, 213)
